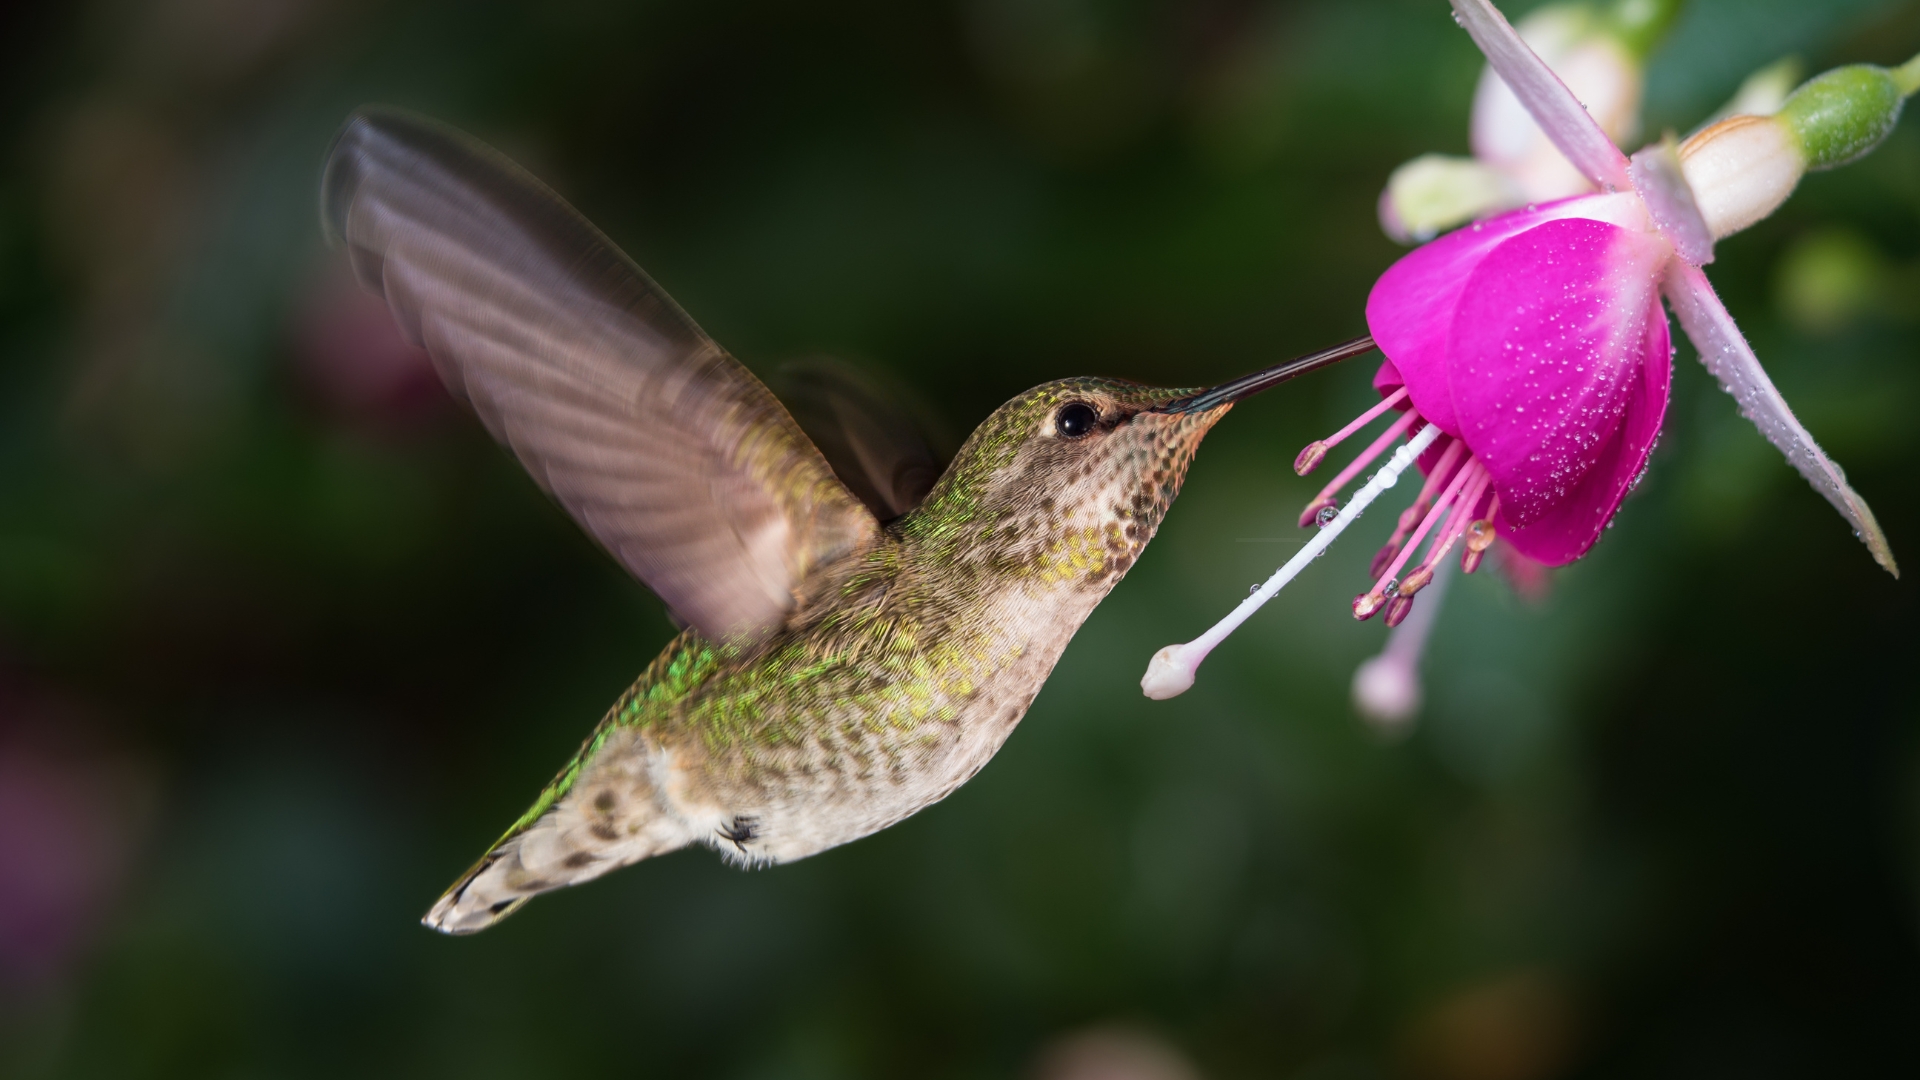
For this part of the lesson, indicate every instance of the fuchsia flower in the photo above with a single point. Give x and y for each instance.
(1529, 354)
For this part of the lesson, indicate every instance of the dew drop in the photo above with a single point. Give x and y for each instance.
(1326, 515)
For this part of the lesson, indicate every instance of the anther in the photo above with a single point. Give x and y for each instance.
(1359, 422)
(1383, 559)
(1394, 431)
(1310, 458)
(1397, 609)
(1366, 604)
(1416, 581)
(1456, 525)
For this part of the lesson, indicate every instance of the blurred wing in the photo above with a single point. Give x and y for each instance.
(673, 456)
(875, 444)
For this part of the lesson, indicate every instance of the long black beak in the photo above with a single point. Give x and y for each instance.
(1246, 385)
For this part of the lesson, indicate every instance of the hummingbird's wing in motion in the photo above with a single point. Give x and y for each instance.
(666, 450)
(879, 447)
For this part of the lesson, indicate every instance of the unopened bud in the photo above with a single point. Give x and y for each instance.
(1366, 604)
(1310, 458)
(1842, 115)
(1416, 581)
(1397, 609)
(1742, 168)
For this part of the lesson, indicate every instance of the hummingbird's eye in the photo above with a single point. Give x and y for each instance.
(1075, 419)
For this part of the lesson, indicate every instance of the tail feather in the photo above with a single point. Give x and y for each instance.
(610, 817)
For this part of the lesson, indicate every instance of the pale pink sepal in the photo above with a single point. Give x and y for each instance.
(1726, 354)
(1657, 177)
(1560, 115)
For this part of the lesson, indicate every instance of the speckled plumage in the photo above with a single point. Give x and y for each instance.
(838, 674)
(899, 673)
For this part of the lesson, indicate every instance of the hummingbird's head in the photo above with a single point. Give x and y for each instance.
(1068, 481)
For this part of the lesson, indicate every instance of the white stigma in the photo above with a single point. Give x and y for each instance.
(1171, 671)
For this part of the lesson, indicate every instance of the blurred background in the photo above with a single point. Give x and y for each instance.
(286, 641)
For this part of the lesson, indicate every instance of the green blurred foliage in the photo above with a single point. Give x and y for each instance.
(1664, 822)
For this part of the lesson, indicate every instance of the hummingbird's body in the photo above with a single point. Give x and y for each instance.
(889, 687)
(861, 639)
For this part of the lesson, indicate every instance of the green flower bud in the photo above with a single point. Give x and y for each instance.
(1840, 116)
(1742, 168)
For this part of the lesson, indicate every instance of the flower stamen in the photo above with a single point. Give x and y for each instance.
(1412, 515)
(1326, 496)
(1385, 587)
(1316, 452)
(1480, 536)
(1448, 535)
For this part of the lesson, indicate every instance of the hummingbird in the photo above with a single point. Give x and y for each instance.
(861, 634)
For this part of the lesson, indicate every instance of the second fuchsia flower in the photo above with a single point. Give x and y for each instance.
(1530, 352)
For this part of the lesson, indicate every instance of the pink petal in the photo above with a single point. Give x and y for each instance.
(1657, 176)
(1725, 352)
(1552, 105)
(1411, 308)
(1558, 365)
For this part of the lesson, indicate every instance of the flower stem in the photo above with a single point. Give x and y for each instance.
(1907, 77)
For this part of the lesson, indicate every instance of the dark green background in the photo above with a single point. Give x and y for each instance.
(1664, 823)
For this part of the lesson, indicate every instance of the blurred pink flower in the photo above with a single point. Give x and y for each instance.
(353, 359)
(71, 812)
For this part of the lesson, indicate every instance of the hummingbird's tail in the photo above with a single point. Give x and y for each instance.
(604, 812)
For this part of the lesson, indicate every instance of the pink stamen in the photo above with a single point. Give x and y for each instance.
(1371, 601)
(1456, 526)
(1480, 539)
(1365, 418)
(1442, 471)
(1441, 507)
(1411, 516)
(1398, 608)
(1325, 498)
(1421, 576)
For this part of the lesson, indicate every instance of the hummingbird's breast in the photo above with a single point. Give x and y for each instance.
(905, 668)
(884, 703)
